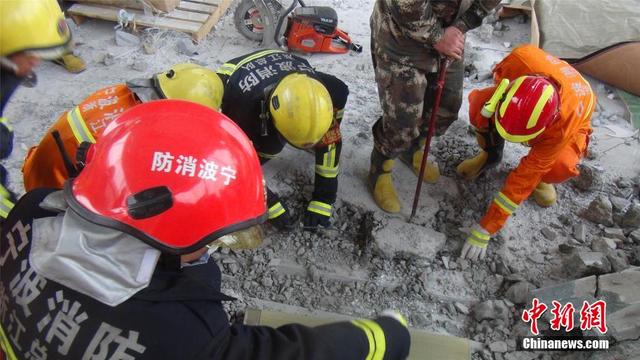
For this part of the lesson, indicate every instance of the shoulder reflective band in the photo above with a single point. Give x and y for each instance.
(478, 238)
(6, 346)
(375, 336)
(542, 101)
(328, 169)
(505, 203)
(276, 210)
(4, 121)
(512, 91)
(267, 156)
(319, 207)
(78, 126)
(490, 106)
(5, 204)
(229, 68)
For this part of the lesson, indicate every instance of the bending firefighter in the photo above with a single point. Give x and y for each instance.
(538, 101)
(117, 265)
(29, 31)
(44, 165)
(278, 98)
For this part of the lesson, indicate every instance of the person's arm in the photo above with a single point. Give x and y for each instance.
(416, 20)
(472, 17)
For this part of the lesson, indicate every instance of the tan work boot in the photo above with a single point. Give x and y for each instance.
(545, 194)
(490, 155)
(381, 183)
(72, 63)
(413, 159)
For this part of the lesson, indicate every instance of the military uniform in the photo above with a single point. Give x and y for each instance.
(249, 80)
(403, 33)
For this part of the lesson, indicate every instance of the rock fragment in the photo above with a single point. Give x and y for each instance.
(519, 292)
(186, 47)
(600, 211)
(585, 263)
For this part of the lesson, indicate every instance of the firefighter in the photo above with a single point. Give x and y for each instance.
(541, 102)
(278, 98)
(407, 39)
(117, 264)
(44, 165)
(29, 31)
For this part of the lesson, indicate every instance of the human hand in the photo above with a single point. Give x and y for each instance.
(451, 44)
(475, 248)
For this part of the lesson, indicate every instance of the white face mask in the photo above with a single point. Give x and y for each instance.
(105, 264)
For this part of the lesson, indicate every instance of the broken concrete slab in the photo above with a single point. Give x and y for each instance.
(574, 292)
(585, 263)
(398, 237)
(600, 211)
(635, 236)
(580, 232)
(619, 260)
(620, 289)
(603, 245)
(519, 292)
(590, 178)
(624, 325)
(614, 233)
(631, 218)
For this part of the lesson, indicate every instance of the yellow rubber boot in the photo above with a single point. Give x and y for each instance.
(381, 183)
(470, 168)
(72, 63)
(431, 170)
(545, 194)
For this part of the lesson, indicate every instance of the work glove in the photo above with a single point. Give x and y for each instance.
(6, 138)
(318, 213)
(280, 217)
(475, 248)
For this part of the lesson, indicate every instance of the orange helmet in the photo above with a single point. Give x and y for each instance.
(173, 173)
(529, 105)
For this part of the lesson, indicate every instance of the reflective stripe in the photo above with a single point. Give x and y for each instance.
(319, 207)
(479, 239)
(229, 68)
(78, 126)
(505, 203)
(267, 156)
(327, 172)
(375, 336)
(329, 158)
(4, 121)
(6, 346)
(276, 210)
(339, 114)
(489, 107)
(512, 91)
(537, 110)
(515, 138)
(5, 207)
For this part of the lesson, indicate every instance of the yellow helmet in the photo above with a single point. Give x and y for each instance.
(191, 82)
(37, 26)
(301, 109)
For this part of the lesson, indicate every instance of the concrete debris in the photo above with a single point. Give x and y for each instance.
(549, 234)
(580, 232)
(187, 47)
(600, 211)
(635, 256)
(619, 260)
(621, 291)
(614, 233)
(603, 245)
(631, 218)
(491, 310)
(417, 240)
(590, 178)
(519, 292)
(140, 65)
(124, 38)
(462, 308)
(485, 32)
(585, 263)
(498, 26)
(108, 59)
(575, 292)
(635, 236)
(498, 347)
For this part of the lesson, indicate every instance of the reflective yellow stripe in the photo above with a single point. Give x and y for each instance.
(267, 156)
(4, 121)
(339, 114)
(515, 138)
(512, 91)
(478, 239)
(537, 110)
(329, 158)
(79, 128)
(5, 207)
(276, 210)
(229, 68)
(319, 207)
(327, 172)
(375, 336)
(505, 203)
(6, 346)
(489, 107)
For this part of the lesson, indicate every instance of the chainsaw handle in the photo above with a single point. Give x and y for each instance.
(277, 37)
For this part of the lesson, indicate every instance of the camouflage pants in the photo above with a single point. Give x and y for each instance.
(406, 96)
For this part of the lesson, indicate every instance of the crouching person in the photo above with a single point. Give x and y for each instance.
(115, 266)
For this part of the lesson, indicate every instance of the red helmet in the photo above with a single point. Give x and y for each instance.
(173, 173)
(531, 103)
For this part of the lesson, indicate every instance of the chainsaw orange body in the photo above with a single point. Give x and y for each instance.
(314, 29)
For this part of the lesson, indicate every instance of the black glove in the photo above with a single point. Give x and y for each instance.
(280, 217)
(6, 138)
(317, 214)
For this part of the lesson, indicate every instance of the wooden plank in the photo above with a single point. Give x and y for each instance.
(192, 6)
(213, 19)
(187, 16)
(207, 2)
(111, 13)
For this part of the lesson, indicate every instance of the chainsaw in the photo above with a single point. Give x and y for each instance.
(298, 28)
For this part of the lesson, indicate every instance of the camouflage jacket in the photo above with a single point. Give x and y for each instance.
(405, 31)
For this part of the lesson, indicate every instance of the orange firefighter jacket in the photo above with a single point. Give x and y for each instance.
(43, 166)
(570, 129)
